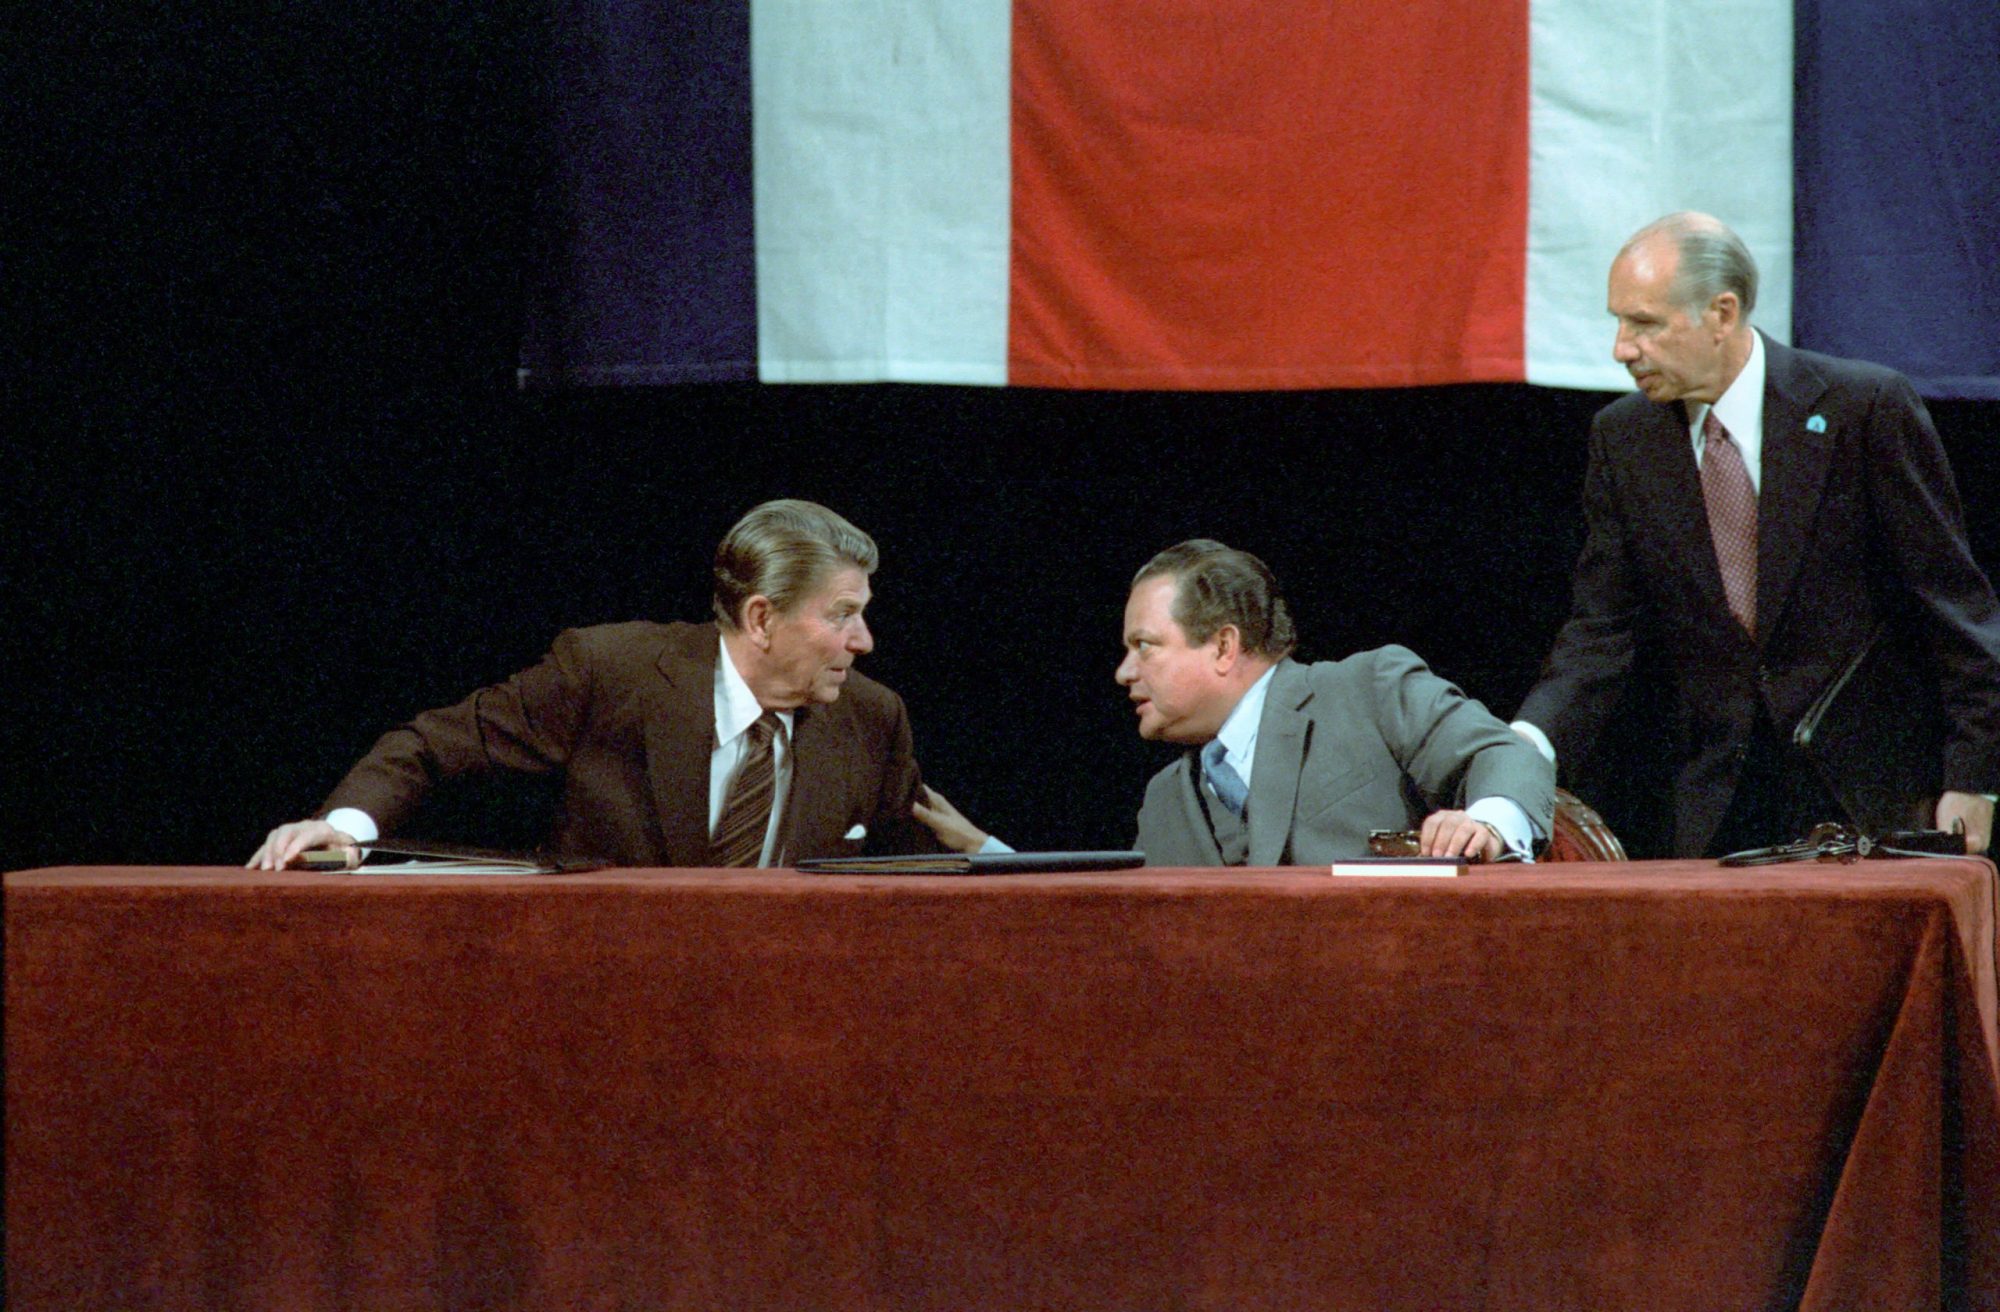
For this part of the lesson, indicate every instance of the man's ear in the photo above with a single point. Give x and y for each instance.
(1728, 311)
(1228, 642)
(755, 622)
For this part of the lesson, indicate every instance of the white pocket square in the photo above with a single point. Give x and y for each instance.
(856, 834)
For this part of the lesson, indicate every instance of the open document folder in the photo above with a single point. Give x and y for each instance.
(440, 859)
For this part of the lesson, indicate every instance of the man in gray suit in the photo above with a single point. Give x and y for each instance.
(1292, 764)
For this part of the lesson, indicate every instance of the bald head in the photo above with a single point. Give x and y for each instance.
(1681, 290)
(1711, 258)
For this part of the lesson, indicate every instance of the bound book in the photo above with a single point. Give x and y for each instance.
(1442, 867)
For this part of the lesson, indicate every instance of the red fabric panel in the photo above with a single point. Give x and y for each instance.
(1289, 194)
(1660, 1086)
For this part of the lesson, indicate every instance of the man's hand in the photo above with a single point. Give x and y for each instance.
(1972, 810)
(1454, 833)
(943, 819)
(284, 844)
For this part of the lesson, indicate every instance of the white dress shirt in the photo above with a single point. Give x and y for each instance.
(1740, 409)
(736, 709)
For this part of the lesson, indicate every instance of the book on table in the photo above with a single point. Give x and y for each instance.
(1441, 867)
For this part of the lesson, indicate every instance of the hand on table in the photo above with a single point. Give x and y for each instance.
(283, 845)
(1454, 833)
(1975, 812)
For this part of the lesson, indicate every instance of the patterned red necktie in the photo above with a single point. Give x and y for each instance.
(746, 810)
(1732, 519)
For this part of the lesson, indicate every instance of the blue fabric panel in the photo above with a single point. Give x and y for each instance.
(649, 272)
(1897, 188)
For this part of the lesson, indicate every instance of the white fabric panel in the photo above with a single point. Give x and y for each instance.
(880, 131)
(1637, 110)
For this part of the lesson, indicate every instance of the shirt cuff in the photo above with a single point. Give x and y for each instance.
(1509, 821)
(993, 845)
(1537, 737)
(357, 825)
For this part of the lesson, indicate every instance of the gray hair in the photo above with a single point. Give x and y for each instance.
(785, 550)
(1713, 259)
(1218, 585)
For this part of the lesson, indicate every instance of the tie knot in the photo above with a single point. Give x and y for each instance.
(763, 729)
(1712, 429)
(1212, 754)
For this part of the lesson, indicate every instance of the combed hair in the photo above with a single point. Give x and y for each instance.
(1220, 585)
(1713, 259)
(785, 550)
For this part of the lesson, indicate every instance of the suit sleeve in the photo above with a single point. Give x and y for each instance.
(895, 829)
(1452, 747)
(525, 724)
(1916, 505)
(1586, 670)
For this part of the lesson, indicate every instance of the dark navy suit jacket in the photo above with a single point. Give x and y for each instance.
(1860, 533)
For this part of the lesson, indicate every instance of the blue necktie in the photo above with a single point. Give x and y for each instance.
(1222, 777)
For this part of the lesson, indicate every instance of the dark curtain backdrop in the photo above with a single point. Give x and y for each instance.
(274, 488)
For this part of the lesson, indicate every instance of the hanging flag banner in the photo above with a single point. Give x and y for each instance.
(1192, 194)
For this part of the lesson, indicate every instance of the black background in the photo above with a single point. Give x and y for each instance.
(275, 488)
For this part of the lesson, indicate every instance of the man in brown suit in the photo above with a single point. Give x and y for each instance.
(657, 729)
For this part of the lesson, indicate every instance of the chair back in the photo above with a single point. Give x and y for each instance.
(1580, 833)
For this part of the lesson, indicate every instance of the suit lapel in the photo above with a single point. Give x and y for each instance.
(1668, 481)
(1795, 463)
(811, 808)
(1281, 750)
(680, 740)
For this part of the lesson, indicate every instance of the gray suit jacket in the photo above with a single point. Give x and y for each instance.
(1375, 741)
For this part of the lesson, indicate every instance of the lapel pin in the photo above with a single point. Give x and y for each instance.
(1816, 424)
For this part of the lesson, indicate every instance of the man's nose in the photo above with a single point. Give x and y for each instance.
(1623, 350)
(1128, 671)
(861, 641)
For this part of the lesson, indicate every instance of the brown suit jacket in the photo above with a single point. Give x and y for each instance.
(625, 713)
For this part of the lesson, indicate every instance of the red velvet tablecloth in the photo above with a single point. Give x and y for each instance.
(1656, 1086)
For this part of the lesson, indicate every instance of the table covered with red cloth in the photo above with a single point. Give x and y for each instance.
(1651, 1085)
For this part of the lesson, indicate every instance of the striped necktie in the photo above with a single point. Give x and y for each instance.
(1222, 777)
(746, 811)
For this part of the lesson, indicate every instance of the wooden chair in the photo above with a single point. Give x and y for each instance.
(1580, 833)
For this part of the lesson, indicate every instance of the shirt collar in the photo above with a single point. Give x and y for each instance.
(1740, 408)
(736, 707)
(1239, 732)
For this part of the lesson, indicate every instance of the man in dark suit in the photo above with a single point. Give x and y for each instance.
(749, 741)
(1291, 764)
(1774, 520)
